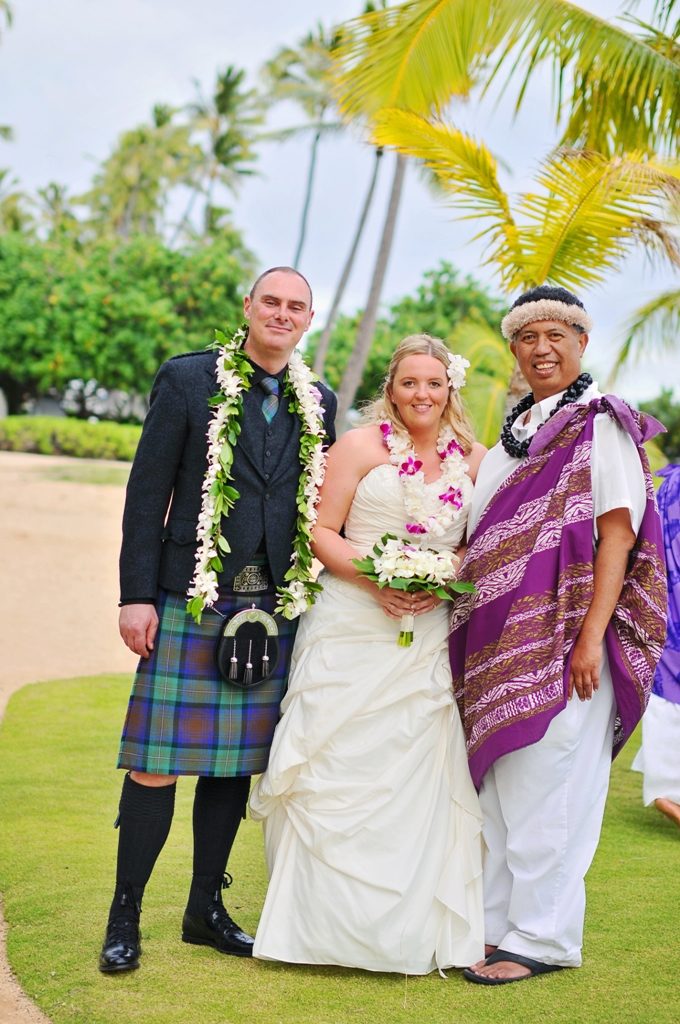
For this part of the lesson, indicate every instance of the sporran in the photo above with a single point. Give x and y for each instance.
(247, 648)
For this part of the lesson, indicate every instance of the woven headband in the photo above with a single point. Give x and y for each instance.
(544, 309)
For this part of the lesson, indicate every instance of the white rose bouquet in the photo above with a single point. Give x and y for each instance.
(403, 565)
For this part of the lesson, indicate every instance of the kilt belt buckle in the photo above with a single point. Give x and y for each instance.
(252, 579)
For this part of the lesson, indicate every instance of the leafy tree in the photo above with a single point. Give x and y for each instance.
(25, 278)
(110, 313)
(666, 409)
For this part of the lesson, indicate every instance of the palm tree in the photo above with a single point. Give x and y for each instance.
(357, 360)
(130, 191)
(625, 94)
(324, 341)
(589, 214)
(56, 214)
(5, 8)
(15, 212)
(225, 126)
(302, 75)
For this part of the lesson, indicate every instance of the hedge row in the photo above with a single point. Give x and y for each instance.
(49, 435)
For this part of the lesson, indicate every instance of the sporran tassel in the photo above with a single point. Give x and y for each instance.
(233, 664)
(265, 662)
(248, 671)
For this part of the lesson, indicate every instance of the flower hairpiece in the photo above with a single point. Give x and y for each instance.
(455, 371)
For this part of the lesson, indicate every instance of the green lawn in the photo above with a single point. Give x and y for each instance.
(58, 799)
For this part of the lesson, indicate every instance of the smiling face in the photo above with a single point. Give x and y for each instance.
(420, 391)
(549, 355)
(279, 312)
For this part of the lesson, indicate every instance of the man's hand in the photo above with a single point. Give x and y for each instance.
(138, 624)
(584, 675)
(616, 540)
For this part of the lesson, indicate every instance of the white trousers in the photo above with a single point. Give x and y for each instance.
(659, 755)
(543, 808)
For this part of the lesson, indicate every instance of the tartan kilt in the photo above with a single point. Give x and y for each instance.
(183, 718)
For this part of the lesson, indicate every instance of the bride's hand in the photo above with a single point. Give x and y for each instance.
(396, 603)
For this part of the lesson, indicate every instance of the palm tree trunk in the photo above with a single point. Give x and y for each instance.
(308, 198)
(362, 346)
(517, 389)
(324, 341)
(186, 216)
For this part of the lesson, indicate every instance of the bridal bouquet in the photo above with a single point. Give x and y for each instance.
(402, 565)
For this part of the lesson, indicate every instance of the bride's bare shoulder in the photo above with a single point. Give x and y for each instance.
(363, 446)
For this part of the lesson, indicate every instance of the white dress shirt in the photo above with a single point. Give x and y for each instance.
(618, 480)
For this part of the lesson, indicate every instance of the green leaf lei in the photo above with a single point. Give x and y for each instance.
(234, 371)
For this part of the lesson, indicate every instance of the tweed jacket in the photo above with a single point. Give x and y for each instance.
(163, 497)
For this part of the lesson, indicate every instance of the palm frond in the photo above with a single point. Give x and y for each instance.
(653, 327)
(491, 365)
(417, 55)
(296, 130)
(464, 168)
(614, 90)
(590, 214)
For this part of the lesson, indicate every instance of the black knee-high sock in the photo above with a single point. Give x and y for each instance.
(219, 805)
(145, 818)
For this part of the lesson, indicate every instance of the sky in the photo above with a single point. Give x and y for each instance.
(75, 74)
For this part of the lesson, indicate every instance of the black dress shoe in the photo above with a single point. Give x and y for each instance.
(122, 946)
(215, 928)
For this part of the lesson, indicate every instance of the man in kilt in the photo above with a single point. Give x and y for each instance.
(184, 718)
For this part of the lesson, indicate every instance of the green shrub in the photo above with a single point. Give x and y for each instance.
(48, 435)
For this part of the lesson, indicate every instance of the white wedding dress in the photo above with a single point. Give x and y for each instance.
(372, 825)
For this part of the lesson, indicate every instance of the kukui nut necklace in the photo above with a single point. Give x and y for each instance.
(520, 449)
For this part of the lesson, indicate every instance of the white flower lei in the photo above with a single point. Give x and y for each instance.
(234, 371)
(422, 521)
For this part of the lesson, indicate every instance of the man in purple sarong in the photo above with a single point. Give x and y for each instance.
(659, 755)
(553, 656)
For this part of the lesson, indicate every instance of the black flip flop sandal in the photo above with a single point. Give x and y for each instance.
(502, 955)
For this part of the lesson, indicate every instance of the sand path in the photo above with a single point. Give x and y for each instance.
(59, 539)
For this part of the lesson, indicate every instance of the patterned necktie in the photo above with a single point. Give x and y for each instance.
(270, 402)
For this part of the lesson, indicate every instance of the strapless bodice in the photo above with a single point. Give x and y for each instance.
(378, 508)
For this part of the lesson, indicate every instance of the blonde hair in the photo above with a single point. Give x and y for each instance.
(383, 408)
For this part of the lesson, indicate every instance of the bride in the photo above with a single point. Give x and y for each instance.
(371, 822)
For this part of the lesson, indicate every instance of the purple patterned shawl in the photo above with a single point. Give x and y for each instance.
(531, 560)
(667, 678)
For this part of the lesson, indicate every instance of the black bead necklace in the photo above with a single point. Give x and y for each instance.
(520, 449)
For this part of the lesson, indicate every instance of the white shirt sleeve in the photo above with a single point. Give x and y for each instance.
(618, 480)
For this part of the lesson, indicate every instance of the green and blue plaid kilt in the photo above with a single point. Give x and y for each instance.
(183, 718)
